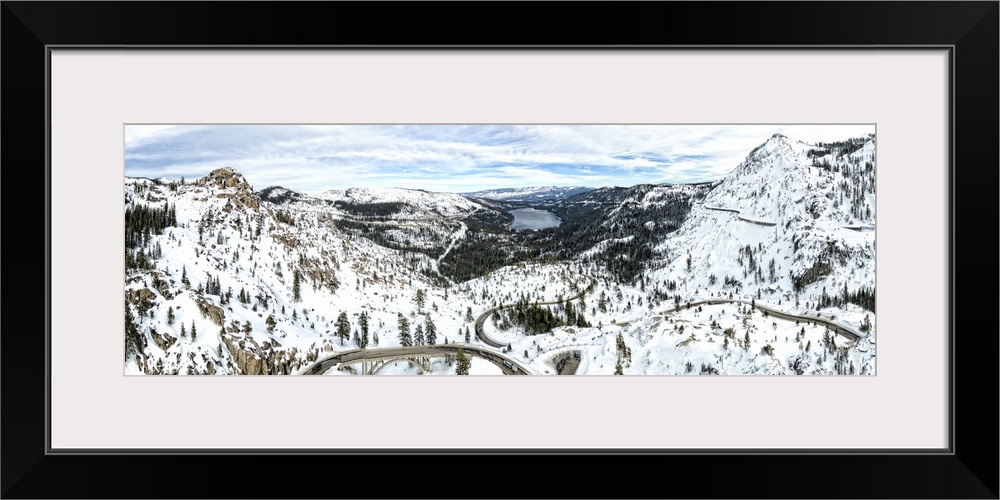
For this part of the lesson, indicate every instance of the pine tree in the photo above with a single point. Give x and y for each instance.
(467, 335)
(430, 330)
(468, 314)
(866, 325)
(296, 287)
(271, 323)
(170, 315)
(418, 335)
(183, 331)
(420, 298)
(463, 362)
(363, 322)
(375, 338)
(194, 331)
(343, 327)
(184, 276)
(404, 330)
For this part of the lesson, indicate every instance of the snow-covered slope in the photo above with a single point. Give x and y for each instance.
(778, 207)
(230, 262)
(790, 228)
(413, 202)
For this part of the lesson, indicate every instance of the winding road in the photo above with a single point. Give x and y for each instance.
(510, 366)
(482, 317)
(422, 351)
(846, 331)
(739, 213)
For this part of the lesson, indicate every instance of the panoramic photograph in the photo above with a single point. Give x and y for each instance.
(491, 250)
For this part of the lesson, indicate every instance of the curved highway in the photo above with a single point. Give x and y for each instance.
(482, 317)
(438, 350)
(739, 213)
(846, 331)
(510, 366)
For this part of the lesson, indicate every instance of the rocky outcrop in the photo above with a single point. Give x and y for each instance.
(162, 286)
(244, 199)
(225, 177)
(237, 188)
(135, 296)
(253, 359)
(211, 311)
(164, 340)
(247, 362)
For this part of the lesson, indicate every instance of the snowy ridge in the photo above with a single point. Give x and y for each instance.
(528, 194)
(417, 201)
(799, 213)
(645, 197)
(227, 268)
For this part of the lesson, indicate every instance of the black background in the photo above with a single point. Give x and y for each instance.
(971, 472)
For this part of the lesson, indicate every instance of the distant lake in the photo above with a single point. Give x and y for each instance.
(529, 218)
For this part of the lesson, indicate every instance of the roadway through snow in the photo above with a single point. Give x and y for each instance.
(759, 222)
(514, 367)
(482, 317)
(430, 351)
(845, 331)
(739, 213)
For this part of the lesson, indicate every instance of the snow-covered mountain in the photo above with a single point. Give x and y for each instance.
(412, 202)
(791, 227)
(528, 194)
(391, 202)
(809, 210)
(224, 279)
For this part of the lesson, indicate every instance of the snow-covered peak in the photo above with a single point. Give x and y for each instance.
(809, 208)
(533, 193)
(225, 177)
(279, 191)
(418, 201)
(866, 153)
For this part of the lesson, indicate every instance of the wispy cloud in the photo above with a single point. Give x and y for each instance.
(457, 158)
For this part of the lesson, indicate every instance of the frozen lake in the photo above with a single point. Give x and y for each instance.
(529, 218)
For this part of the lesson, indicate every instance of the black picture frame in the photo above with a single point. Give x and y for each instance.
(969, 29)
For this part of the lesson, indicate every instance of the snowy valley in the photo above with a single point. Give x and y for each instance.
(767, 271)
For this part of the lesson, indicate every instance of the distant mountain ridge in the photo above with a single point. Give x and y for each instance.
(224, 278)
(529, 194)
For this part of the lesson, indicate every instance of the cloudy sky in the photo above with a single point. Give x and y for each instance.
(455, 158)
